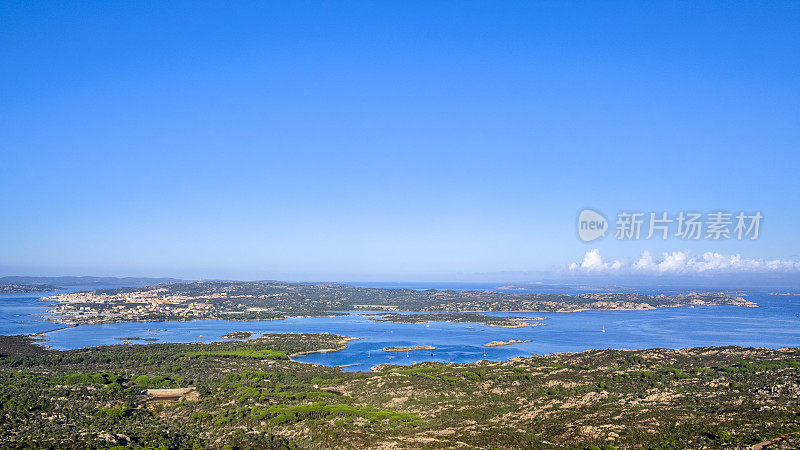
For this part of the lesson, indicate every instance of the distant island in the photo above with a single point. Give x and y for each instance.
(16, 288)
(504, 343)
(267, 300)
(494, 321)
(409, 349)
(86, 281)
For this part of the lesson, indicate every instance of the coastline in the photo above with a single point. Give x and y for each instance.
(344, 344)
(489, 336)
(505, 343)
(249, 301)
(409, 349)
(42, 333)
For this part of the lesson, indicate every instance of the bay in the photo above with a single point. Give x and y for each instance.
(774, 324)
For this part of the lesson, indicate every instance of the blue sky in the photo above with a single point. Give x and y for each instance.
(386, 140)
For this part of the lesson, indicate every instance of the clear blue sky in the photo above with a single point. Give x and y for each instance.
(385, 140)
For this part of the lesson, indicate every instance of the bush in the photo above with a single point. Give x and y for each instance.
(114, 413)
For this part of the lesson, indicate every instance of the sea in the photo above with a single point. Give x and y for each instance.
(775, 323)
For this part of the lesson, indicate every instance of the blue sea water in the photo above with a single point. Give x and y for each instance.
(775, 323)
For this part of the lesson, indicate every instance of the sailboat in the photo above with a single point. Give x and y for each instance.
(603, 330)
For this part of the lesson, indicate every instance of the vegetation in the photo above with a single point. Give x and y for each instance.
(408, 349)
(17, 288)
(238, 335)
(244, 353)
(269, 300)
(494, 321)
(249, 395)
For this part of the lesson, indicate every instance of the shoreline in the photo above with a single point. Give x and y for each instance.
(409, 349)
(380, 367)
(48, 317)
(505, 343)
(344, 344)
(42, 333)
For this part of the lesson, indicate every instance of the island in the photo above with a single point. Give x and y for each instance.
(494, 321)
(504, 343)
(238, 335)
(274, 300)
(409, 349)
(16, 288)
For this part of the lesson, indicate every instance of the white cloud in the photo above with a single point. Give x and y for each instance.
(593, 262)
(645, 262)
(684, 262)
